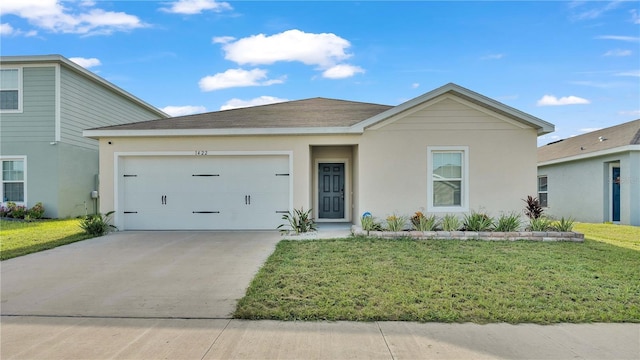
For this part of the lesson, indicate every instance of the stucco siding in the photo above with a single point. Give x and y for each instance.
(581, 189)
(502, 162)
(36, 122)
(86, 104)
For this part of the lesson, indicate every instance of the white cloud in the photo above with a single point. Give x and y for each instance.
(619, 37)
(324, 49)
(618, 52)
(6, 29)
(341, 71)
(86, 62)
(492, 57)
(635, 18)
(595, 12)
(262, 100)
(52, 16)
(635, 113)
(550, 100)
(190, 7)
(222, 39)
(415, 85)
(236, 78)
(634, 73)
(183, 110)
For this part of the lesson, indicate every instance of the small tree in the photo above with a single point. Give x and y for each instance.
(532, 210)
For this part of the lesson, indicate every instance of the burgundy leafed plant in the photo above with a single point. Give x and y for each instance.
(533, 210)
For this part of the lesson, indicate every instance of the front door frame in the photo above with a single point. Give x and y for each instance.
(347, 188)
(610, 185)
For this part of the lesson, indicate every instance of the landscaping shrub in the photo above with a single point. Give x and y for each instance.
(396, 222)
(36, 212)
(508, 223)
(424, 223)
(477, 222)
(533, 210)
(450, 222)
(299, 222)
(97, 225)
(12, 210)
(540, 224)
(564, 225)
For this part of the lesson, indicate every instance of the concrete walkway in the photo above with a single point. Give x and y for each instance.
(28, 337)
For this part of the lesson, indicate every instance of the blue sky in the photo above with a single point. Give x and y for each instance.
(575, 64)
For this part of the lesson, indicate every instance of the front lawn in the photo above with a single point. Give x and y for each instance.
(618, 235)
(21, 238)
(365, 279)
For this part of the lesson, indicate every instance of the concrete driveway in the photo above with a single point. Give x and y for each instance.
(170, 274)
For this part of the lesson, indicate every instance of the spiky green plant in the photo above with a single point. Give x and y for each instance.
(450, 222)
(299, 222)
(508, 222)
(564, 225)
(396, 222)
(477, 222)
(540, 224)
(423, 222)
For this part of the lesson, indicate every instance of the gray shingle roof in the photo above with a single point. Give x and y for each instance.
(316, 112)
(612, 137)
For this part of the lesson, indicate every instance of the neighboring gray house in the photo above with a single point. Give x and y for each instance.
(594, 177)
(45, 104)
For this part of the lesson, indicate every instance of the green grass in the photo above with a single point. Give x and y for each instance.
(22, 238)
(618, 235)
(364, 279)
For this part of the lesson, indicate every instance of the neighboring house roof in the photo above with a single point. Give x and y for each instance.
(59, 59)
(310, 116)
(612, 139)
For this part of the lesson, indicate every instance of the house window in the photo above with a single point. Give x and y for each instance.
(542, 190)
(13, 180)
(447, 179)
(10, 90)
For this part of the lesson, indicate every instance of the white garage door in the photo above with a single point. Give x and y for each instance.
(204, 192)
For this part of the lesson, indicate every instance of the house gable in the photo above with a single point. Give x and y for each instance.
(470, 98)
(448, 112)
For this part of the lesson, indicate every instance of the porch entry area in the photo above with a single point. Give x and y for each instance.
(332, 187)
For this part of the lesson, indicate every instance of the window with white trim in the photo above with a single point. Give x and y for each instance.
(542, 190)
(448, 174)
(10, 90)
(13, 180)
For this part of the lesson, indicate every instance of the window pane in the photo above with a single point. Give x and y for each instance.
(447, 193)
(542, 197)
(13, 170)
(447, 165)
(13, 192)
(9, 79)
(542, 183)
(9, 100)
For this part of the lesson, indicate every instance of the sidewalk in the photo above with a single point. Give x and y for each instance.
(26, 337)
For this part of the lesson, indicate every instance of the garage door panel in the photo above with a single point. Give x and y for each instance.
(207, 192)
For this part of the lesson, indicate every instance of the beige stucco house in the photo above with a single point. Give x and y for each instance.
(450, 150)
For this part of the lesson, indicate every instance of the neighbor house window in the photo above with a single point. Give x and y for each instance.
(13, 180)
(542, 190)
(10, 90)
(448, 188)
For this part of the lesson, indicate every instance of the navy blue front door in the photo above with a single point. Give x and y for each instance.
(615, 192)
(331, 191)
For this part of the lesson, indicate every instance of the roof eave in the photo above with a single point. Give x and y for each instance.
(115, 133)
